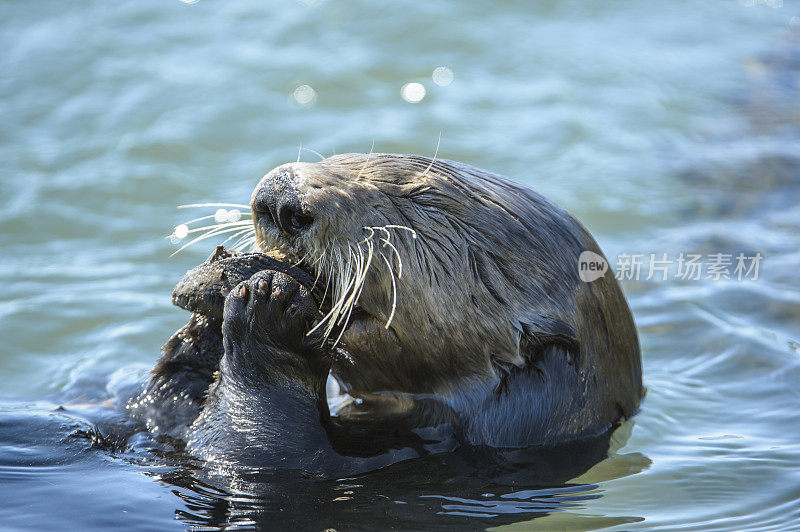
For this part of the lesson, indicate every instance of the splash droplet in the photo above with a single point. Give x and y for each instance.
(181, 231)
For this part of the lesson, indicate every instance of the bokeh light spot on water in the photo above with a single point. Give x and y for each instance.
(305, 95)
(181, 231)
(221, 216)
(442, 76)
(234, 215)
(413, 92)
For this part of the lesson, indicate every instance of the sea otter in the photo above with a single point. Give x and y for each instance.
(452, 298)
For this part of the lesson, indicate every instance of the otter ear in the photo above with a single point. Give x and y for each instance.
(538, 331)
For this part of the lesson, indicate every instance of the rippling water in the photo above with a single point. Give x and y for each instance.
(666, 127)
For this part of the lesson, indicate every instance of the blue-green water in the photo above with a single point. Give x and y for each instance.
(665, 127)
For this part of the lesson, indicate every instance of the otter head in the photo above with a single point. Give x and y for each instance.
(452, 262)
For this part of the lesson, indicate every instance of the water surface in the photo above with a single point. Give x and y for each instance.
(665, 127)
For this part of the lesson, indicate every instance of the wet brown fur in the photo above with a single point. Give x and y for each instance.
(489, 290)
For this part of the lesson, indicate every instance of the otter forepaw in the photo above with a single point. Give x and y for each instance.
(273, 309)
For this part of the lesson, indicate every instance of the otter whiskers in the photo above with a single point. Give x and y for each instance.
(363, 265)
(367, 161)
(344, 267)
(347, 275)
(231, 221)
(435, 154)
(385, 241)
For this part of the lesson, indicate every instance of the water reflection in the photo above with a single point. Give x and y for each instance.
(305, 96)
(413, 92)
(442, 76)
(471, 488)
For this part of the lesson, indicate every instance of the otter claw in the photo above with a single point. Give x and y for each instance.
(262, 285)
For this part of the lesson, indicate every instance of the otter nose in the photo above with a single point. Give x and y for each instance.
(276, 200)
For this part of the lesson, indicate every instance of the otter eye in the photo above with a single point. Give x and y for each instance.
(300, 222)
(293, 221)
